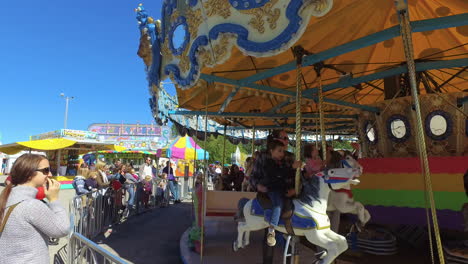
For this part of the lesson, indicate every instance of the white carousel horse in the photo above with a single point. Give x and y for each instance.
(309, 219)
(341, 200)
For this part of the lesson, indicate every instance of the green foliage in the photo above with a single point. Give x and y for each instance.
(214, 146)
(344, 144)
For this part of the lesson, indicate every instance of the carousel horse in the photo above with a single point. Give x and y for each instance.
(310, 217)
(341, 200)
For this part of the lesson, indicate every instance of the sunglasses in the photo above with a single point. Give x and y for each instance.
(44, 171)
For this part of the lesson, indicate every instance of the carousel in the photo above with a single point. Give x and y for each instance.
(392, 74)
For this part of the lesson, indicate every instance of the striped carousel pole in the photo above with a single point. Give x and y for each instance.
(405, 31)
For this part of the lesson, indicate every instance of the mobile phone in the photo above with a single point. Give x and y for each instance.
(47, 185)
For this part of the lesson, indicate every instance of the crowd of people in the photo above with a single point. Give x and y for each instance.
(121, 177)
(24, 210)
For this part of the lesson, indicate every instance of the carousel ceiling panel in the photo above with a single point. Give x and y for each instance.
(238, 39)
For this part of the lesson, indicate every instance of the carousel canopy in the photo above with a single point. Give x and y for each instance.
(235, 57)
(185, 148)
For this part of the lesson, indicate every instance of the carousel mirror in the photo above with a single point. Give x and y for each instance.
(370, 133)
(438, 125)
(179, 36)
(398, 128)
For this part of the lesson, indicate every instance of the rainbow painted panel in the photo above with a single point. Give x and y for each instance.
(399, 182)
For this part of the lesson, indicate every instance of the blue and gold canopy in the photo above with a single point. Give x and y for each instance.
(239, 52)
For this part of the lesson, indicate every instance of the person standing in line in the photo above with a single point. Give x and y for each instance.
(173, 185)
(25, 222)
(146, 169)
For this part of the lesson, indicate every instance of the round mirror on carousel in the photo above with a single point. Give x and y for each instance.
(398, 128)
(370, 132)
(438, 125)
(179, 36)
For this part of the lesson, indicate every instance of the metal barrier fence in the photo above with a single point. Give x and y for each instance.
(93, 213)
(97, 210)
(83, 250)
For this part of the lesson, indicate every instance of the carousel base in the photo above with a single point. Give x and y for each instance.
(221, 232)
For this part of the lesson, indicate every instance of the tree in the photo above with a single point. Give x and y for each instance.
(214, 146)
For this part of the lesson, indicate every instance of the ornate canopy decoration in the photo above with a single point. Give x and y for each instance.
(239, 52)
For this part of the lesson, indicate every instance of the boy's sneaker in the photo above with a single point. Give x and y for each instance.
(271, 241)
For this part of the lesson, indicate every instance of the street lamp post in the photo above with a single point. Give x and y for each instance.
(67, 99)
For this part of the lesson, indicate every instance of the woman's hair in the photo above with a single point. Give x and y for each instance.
(132, 171)
(100, 166)
(83, 171)
(23, 170)
(148, 178)
(308, 148)
(233, 168)
(128, 169)
(92, 173)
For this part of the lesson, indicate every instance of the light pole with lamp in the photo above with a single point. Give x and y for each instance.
(59, 152)
(67, 99)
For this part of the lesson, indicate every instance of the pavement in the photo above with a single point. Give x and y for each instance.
(151, 237)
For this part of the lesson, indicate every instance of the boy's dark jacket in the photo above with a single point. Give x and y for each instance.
(276, 176)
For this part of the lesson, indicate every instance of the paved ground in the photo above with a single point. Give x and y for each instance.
(152, 237)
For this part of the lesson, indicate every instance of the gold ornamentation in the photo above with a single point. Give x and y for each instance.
(194, 20)
(166, 52)
(217, 53)
(217, 7)
(184, 62)
(174, 16)
(257, 21)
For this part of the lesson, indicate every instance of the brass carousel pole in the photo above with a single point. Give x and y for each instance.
(204, 180)
(299, 53)
(253, 139)
(224, 147)
(408, 48)
(321, 115)
(194, 180)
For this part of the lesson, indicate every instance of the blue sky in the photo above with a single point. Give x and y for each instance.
(86, 49)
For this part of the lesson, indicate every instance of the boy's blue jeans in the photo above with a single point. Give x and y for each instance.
(174, 187)
(277, 203)
(131, 195)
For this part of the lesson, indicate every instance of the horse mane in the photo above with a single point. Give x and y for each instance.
(335, 160)
(310, 190)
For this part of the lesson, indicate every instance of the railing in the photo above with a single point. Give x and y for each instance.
(93, 213)
(83, 250)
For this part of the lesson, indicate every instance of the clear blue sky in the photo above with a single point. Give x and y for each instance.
(85, 49)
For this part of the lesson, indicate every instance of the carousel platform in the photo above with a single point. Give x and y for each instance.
(221, 232)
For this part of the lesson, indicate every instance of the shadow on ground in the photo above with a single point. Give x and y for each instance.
(151, 237)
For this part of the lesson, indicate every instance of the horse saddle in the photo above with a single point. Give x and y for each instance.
(289, 220)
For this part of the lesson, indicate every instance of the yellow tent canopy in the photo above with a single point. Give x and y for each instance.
(55, 144)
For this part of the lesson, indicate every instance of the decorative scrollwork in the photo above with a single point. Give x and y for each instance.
(217, 7)
(258, 14)
(218, 52)
(194, 20)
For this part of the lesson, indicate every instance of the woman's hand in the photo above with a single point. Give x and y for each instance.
(297, 164)
(52, 192)
(262, 188)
